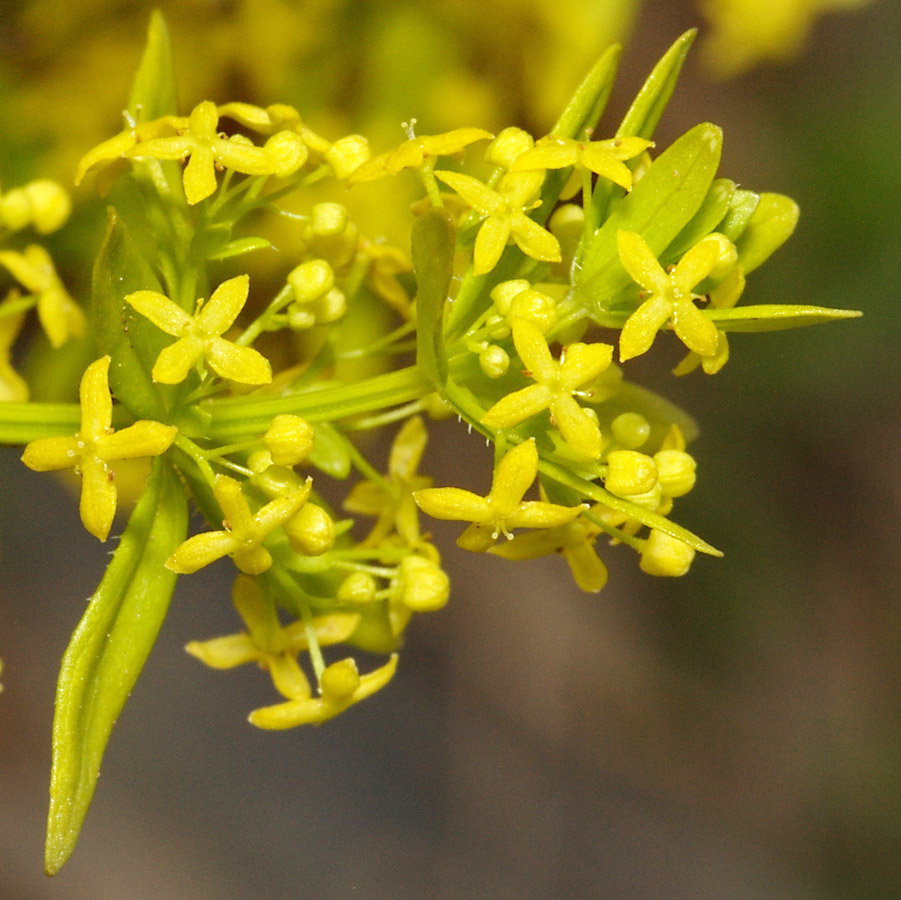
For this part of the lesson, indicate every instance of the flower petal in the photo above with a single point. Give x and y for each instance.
(242, 364)
(513, 477)
(453, 503)
(639, 261)
(98, 497)
(225, 304)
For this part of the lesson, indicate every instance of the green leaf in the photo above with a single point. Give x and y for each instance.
(329, 453)
(644, 114)
(132, 341)
(714, 208)
(740, 211)
(769, 228)
(660, 205)
(239, 247)
(432, 245)
(587, 104)
(776, 317)
(597, 494)
(107, 652)
(648, 106)
(153, 91)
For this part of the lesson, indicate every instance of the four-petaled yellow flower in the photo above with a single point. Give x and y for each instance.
(200, 335)
(95, 446)
(506, 211)
(604, 158)
(669, 295)
(418, 151)
(579, 364)
(282, 154)
(268, 643)
(340, 686)
(575, 540)
(724, 296)
(244, 531)
(392, 499)
(503, 509)
(60, 316)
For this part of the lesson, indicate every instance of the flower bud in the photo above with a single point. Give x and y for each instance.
(502, 294)
(676, 472)
(276, 481)
(494, 361)
(357, 588)
(339, 681)
(629, 472)
(504, 149)
(15, 210)
(665, 555)
(538, 308)
(630, 430)
(310, 280)
(328, 219)
(346, 154)
(288, 153)
(289, 439)
(424, 586)
(311, 531)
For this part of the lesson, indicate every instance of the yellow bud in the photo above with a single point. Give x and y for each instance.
(15, 210)
(310, 280)
(328, 219)
(728, 254)
(494, 361)
(358, 587)
(288, 153)
(676, 472)
(665, 555)
(311, 531)
(630, 430)
(504, 149)
(259, 461)
(566, 223)
(300, 318)
(498, 327)
(331, 307)
(339, 681)
(50, 204)
(424, 585)
(629, 472)
(346, 154)
(289, 440)
(538, 308)
(502, 294)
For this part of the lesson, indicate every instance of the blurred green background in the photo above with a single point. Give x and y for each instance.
(729, 734)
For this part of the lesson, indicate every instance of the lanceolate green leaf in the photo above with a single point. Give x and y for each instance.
(736, 220)
(107, 652)
(714, 208)
(153, 91)
(590, 99)
(659, 207)
(775, 317)
(432, 245)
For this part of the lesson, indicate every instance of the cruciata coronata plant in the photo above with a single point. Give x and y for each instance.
(518, 287)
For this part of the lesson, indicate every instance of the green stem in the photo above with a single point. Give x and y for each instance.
(24, 422)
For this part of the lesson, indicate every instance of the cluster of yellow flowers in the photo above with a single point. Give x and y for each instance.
(510, 279)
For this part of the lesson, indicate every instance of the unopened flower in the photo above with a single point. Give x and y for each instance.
(95, 445)
(199, 336)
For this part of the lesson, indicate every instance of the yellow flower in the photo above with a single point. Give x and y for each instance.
(665, 555)
(12, 385)
(95, 446)
(391, 500)
(556, 384)
(418, 151)
(340, 686)
(601, 157)
(669, 295)
(115, 148)
(60, 316)
(724, 296)
(283, 153)
(506, 211)
(243, 534)
(200, 335)
(503, 508)
(268, 643)
(43, 204)
(575, 540)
